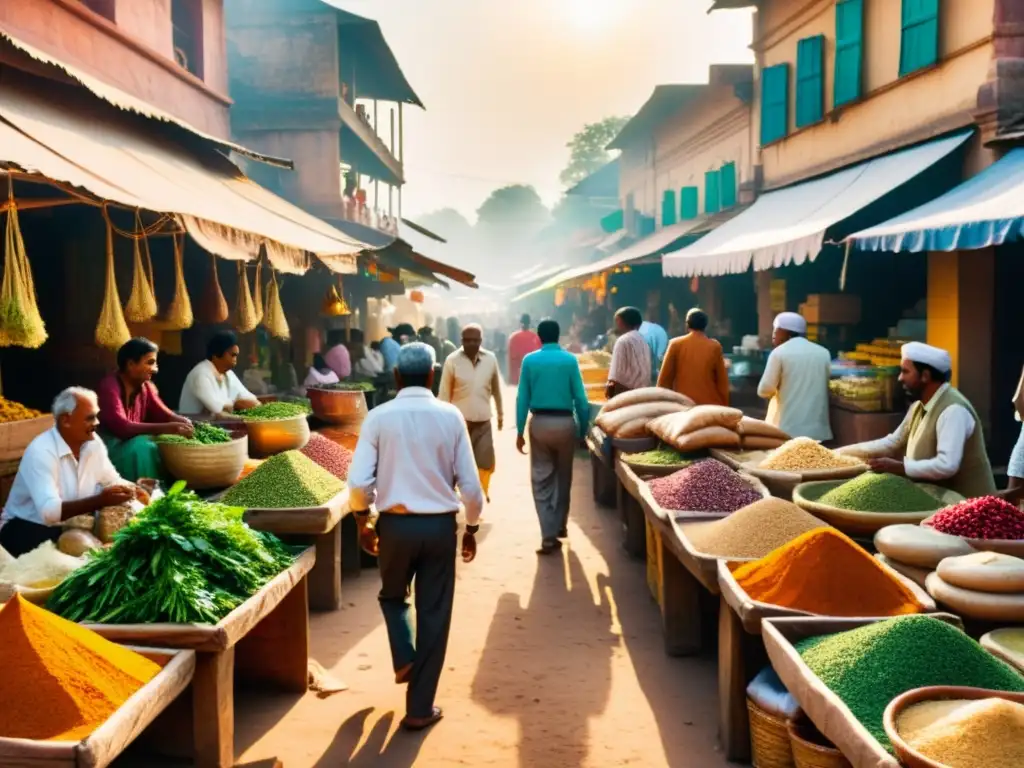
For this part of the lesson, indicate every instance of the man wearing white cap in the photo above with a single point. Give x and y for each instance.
(796, 380)
(940, 440)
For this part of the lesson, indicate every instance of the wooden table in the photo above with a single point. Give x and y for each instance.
(632, 494)
(265, 640)
(602, 470)
(322, 525)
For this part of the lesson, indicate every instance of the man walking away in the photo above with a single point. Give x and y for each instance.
(657, 339)
(694, 364)
(412, 454)
(469, 381)
(550, 391)
(520, 344)
(631, 357)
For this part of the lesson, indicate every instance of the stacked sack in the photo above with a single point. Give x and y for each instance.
(916, 550)
(626, 416)
(715, 426)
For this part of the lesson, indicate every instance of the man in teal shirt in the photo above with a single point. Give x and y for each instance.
(551, 391)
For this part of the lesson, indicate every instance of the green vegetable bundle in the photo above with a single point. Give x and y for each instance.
(203, 434)
(271, 411)
(181, 560)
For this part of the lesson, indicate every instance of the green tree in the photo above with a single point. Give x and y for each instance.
(448, 223)
(587, 150)
(517, 205)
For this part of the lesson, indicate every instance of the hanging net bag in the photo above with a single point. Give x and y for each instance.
(273, 317)
(245, 318)
(179, 313)
(111, 330)
(141, 306)
(257, 290)
(21, 325)
(213, 307)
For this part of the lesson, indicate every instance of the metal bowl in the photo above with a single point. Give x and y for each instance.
(273, 436)
(338, 406)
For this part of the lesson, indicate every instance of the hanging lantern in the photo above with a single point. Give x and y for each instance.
(416, 297)
(627, 269)
(333, 304)
(615, 289)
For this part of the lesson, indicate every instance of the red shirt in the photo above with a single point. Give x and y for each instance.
(520, 344)
(122, 419)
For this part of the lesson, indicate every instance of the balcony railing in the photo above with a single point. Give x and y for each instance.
(357, 211)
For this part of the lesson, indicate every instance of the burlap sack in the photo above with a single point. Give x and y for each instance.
(613, 422)
(749, 427)
(709, 437)
(760, 442)
(700, 417)
(646, 395)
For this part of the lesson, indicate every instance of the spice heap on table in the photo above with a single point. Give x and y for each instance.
(659, 457)
(802, 454)
(328, 454)
(753, 531)
(870, 666)
(12, 411)
(816, 573)
(286, 481)
(706, 486)
(874, 492)
(986, 733)
(271, 411)
(61, 681)
(985, 518)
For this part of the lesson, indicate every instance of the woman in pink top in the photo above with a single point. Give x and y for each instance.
(132, 413)
(520, 344)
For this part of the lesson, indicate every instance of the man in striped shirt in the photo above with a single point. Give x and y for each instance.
(631, 355)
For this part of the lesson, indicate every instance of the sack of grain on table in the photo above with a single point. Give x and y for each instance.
(646, 395)
(630, 421)
(703, 426)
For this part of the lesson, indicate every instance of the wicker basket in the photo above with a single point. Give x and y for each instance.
(206, 466)
(267, 438)
(336, 406)
(811, 749)
(770, 745)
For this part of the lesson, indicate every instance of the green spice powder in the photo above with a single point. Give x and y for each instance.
(270, 411)
(288, 480)
(870, 666)
(663, 457)
(872, 492)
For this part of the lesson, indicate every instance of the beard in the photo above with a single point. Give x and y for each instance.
(913, 393)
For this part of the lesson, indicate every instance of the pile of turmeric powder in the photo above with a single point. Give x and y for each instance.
(12, 411)
(826, 573)
(60, 681)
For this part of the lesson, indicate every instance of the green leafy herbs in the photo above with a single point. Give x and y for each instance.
(348, 386)
(287, 480)
(181, 560)
(279, 410)
(203, 434)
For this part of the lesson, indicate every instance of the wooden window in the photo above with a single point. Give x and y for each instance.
(187, 24)
(849, 51)
(712, 192)
(810, 82)
(727, 181)
(668, 208)
(774, 103)
(919, 39)
(689, 203)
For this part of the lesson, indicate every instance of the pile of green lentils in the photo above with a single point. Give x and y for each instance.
(874, 492)
(289, 480)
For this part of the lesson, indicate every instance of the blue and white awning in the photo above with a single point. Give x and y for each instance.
(986, 210)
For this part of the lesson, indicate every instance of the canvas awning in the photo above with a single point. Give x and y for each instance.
(125, 159)
(986, 210)
(788, 226)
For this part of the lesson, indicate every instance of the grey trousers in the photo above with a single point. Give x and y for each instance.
(552, 449)
(421, 547)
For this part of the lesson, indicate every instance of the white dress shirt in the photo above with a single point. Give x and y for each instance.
(631, 361)
(952, 429)
(469, 385)
(49, 475)
(207, 390)
(412, 454)
(796, 380)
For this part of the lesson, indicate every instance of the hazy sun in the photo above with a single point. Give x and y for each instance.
(592, 15)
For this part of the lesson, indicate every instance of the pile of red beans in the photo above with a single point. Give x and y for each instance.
(706, 486)
(985, 518)
(329, 455)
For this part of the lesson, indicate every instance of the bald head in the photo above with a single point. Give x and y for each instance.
(472, 339)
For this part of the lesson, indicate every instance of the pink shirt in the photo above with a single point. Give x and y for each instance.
(122, 419)
(520, 344)
(339, 361)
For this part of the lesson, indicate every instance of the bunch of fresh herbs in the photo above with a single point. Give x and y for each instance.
(278, 410)
(202, 434)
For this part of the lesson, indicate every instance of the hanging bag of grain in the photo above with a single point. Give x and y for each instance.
(21, 325)
(273, 316)
(141, 306)
(245, 318)
(213, 308)
(257, 290)
(646, 395)
(111, 330)
(179, 313)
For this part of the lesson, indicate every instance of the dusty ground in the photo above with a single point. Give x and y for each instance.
(552, 662)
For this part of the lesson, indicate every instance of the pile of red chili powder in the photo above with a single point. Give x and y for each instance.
(329, 455)
(986, 518)
(706, 486)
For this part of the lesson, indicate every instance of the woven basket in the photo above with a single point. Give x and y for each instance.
(770, 745)
(267, 438)
(808, 749)
(206, 466)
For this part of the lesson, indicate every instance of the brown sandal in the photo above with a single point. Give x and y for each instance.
(422, 723)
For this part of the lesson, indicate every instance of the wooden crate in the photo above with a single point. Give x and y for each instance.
(16, 435)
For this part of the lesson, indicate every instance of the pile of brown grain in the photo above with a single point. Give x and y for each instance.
(753, 531)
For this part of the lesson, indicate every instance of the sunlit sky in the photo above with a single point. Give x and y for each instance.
(507, 84)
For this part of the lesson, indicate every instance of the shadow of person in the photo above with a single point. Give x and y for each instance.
(548, 664)
(383, 747)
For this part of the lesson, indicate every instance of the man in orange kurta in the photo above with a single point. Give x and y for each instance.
(694, 365)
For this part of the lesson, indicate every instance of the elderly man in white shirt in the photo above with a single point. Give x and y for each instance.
(796, 380)
(65, 472)
(469, 381)
(212, 387)
(632, 359)
(940, 440)
(412, 454)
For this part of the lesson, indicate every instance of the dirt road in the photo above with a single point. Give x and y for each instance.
(552, 662)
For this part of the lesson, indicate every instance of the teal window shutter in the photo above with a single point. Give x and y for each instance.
(810, 84)
(774, 103)
(689, 203)
(712, 192)
(849, 51)
(919, 40)
(727, 181)
(668, 208)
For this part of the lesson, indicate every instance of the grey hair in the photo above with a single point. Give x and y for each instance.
(416, 359)
(66, 402)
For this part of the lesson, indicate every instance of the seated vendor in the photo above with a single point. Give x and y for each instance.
(131, 412)
(65, 472)
(212, 388)
(320, 373)
(940, 441)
